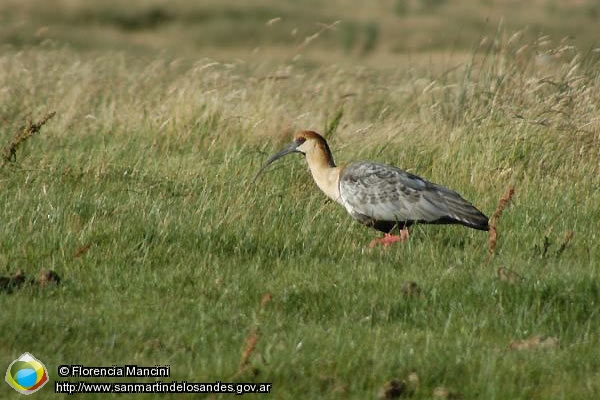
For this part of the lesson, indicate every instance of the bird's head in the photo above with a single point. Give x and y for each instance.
(309, 143)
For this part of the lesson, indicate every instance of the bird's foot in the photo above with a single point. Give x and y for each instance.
(388, 239)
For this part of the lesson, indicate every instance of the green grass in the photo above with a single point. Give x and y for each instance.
(150, 160)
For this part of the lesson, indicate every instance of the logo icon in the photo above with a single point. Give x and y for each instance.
(26, 374)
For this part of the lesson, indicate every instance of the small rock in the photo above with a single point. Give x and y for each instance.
(48, 277)
(153, 344)
(413, 379)
(442, 393)
(534, 342)
(339, 388)
(9, 283)
(393, 389)
(508, 276)
(410, 289)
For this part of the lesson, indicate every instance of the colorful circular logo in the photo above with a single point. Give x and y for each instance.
(26, 374)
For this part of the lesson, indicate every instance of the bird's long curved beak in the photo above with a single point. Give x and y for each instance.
(292, 148)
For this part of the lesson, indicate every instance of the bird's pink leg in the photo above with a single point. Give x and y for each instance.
(388, 239)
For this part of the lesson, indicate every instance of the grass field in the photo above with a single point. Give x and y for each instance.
(138, 193)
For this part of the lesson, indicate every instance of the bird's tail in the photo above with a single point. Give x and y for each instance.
(463, 212)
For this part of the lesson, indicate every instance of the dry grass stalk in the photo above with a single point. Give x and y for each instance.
(494, 220)
(252, 339)
(267, 297)
(273, 21)
(310, 38)
(9, 154)
(82, 250)
(248, 350)
(565, 243)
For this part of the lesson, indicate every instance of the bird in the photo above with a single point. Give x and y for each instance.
(381, 196)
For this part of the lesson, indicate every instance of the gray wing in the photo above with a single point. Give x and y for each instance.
(385, 193)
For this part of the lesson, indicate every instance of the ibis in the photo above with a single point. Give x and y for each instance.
(381, 196)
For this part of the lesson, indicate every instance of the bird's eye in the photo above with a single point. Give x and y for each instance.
(300, 140)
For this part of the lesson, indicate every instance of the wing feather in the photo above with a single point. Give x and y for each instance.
(378, 192)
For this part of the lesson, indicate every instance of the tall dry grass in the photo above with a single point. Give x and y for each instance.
(535, 103)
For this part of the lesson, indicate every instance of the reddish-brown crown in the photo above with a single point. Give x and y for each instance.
(309, 135)
(321, 144)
